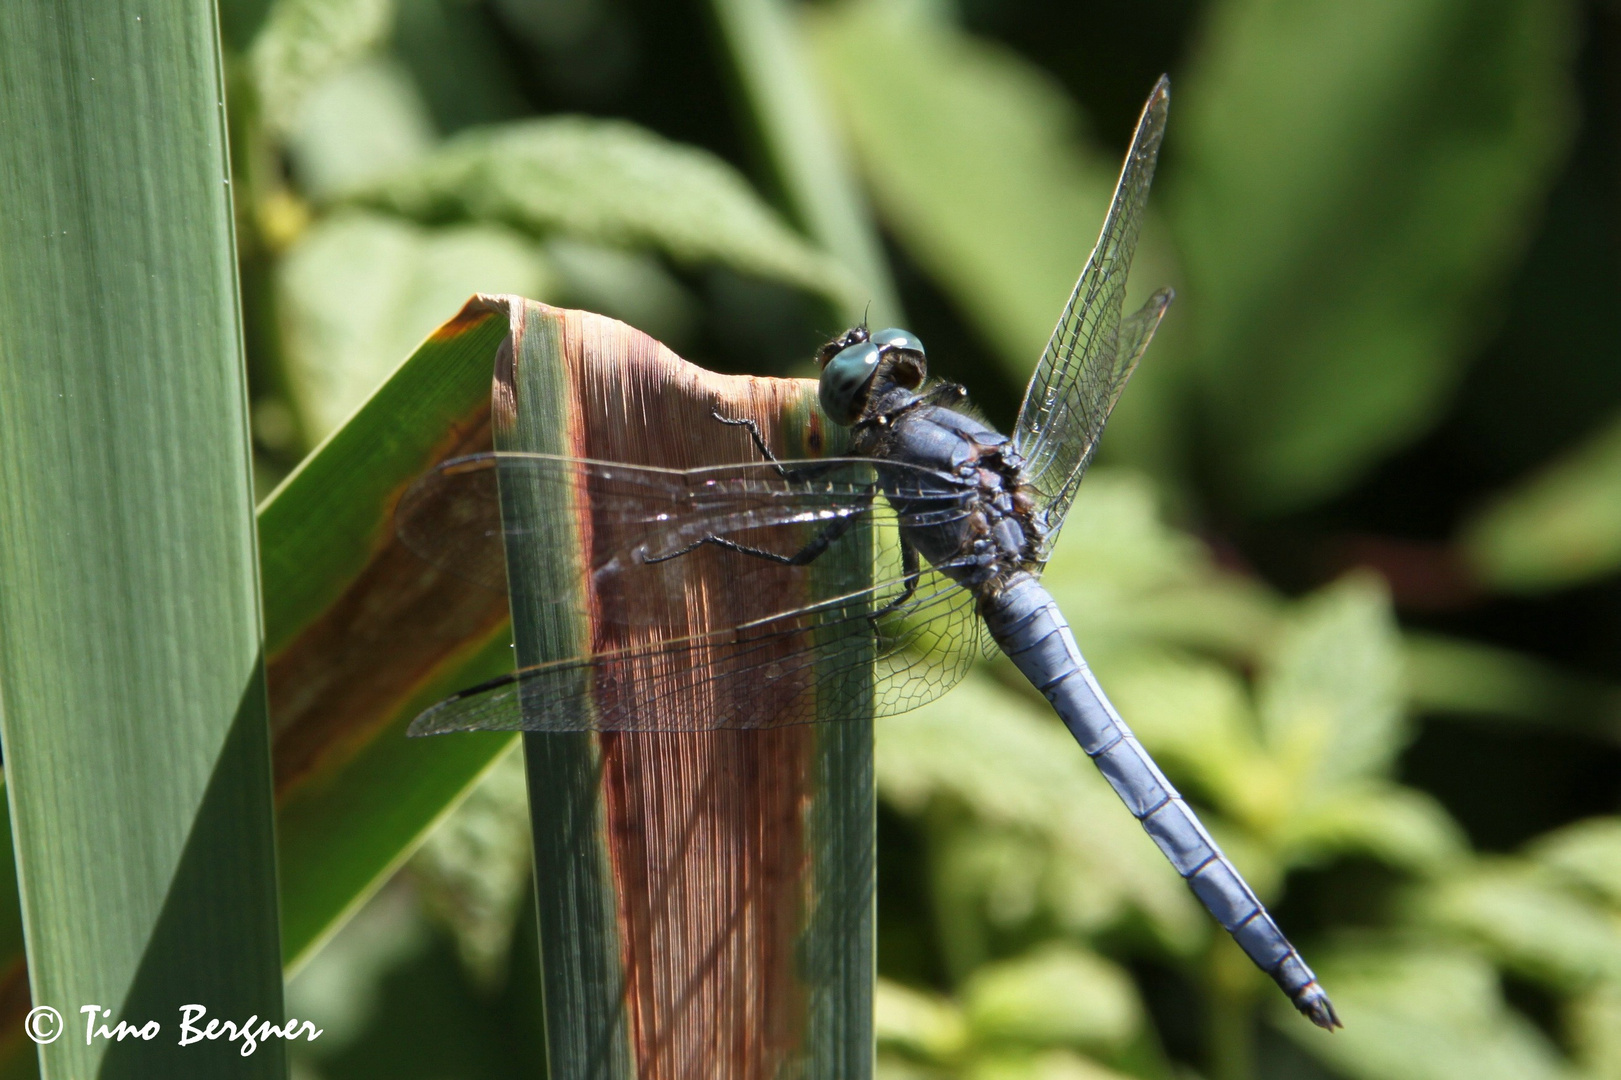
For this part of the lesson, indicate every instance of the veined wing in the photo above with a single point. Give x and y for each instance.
(1093, 351)
(829, 661)
(713, 638)
(643, 516)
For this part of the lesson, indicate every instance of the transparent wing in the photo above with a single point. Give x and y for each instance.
(713, 638)
(1093, 351)
(643, 516)
(800, 667)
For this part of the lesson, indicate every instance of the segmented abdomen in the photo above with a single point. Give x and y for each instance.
(1026, 623)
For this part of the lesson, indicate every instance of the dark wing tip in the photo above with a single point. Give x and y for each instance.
(431, 721)
(451, 715)
(1159, 301)
(1313, 1003)
(1151, 124)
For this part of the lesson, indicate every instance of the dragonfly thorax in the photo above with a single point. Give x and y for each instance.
(950, 457)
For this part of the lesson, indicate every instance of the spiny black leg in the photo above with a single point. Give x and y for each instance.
(729, 545)
(807, 554)
(805, 472)
(754, 433)
(912, 566)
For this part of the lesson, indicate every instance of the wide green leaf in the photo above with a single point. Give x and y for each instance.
(362, 635)
(131, 657)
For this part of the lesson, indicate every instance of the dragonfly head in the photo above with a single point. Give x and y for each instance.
(851, 361)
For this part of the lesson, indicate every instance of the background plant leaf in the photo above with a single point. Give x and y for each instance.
(1529, 923)
(1055, 996)
(303, 41)
(1425, 1013)
(1025, 773)
(1353, 182)
(1331, 698)
(611, 182)
(359, 290)
(808, 162)
(976, 162)
(1556, 529)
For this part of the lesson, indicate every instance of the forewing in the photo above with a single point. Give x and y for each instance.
(643, 517)
(711, 638)
(1092, 351)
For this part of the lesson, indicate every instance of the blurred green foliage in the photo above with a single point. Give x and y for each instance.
(1349, 566)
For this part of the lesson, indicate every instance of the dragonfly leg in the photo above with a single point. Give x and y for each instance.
(759, 441)
(912, 566)
(754, 433)
(805, 555)
(751, 427)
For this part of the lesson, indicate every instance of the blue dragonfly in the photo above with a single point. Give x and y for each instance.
(957, 522)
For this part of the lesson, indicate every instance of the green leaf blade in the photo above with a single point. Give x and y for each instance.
(363, 635)
(131, 659)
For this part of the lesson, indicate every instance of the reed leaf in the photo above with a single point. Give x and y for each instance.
(362, 635)
(706, 897)
(130, 648)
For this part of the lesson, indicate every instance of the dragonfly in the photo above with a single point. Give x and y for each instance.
(956, 522)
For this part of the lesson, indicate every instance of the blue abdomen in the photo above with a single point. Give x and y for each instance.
(1026, 623)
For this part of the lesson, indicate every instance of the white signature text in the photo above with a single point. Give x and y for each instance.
(251, 1032)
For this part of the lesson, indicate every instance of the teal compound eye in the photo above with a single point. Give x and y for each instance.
(843, 380)
(896, 338)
